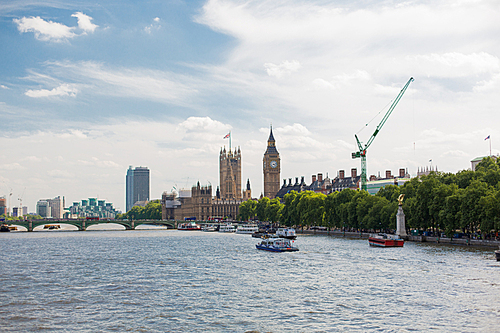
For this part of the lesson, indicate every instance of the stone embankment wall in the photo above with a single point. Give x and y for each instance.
(364, 235)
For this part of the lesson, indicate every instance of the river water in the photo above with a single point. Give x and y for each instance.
(190, 281)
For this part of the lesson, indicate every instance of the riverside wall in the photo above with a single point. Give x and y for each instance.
(421, 239)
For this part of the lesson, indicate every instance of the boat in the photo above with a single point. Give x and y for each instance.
(276, 244)
(227, 228)
(247, 229)
(52, 226)
(497, 255)
(288, 233)
(385, 240)
(208, 228)
(4, 228)
(188, 226)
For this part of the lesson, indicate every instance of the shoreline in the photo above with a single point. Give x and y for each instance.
(420, 239)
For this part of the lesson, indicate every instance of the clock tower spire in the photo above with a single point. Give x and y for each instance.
(271, 168)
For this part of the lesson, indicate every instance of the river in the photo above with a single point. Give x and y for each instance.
(191, 281)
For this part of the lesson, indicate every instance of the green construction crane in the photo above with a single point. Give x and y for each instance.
(362, 150)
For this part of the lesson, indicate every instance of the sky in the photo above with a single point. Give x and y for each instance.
(89, 88)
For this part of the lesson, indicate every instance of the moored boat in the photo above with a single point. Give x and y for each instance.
(247, 229)
(276, 244)
(385, 240)
(288, 233)
(208, 228)
(4, 228)
(227, 228)
(188, 226)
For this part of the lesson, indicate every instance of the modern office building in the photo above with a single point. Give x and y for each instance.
(3, 206)
(93, 207)
(137, 186)
(43, 208)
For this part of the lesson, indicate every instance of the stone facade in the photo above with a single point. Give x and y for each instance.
(230, 174)
(271, 167)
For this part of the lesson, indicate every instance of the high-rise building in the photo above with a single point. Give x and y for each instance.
(271, 168)
(43, 208)
(3, 206)
(230, 174)
(137, 186)
(56, 207)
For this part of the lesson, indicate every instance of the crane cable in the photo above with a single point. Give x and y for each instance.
(368, 123)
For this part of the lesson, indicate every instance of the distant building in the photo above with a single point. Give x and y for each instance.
(230, 174)
(478, 160)
(425, 171)
(93, 208)
(19, 211)
(137, 186)
(271, 167)
(3, 206)
(341, 182)
(56, 207)
(43, 209)
(375, 184)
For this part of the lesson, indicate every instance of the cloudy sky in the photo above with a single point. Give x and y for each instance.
(88, 88)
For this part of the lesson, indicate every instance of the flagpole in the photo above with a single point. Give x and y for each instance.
(229, 140)
(490, 146)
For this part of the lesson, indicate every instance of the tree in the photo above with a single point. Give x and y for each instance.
(247, 210)
(273, 210)
(261, 208)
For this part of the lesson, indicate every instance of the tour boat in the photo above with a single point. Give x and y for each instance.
(275, 244)
(227, 228)
(52, 226)
(385, 240)
(288, 233)
(208, 228)
(247, 229)
(188, 226)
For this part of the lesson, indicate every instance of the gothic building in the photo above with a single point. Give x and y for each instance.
(271, 168)
(230, 174)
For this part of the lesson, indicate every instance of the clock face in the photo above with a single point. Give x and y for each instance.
(274, 164)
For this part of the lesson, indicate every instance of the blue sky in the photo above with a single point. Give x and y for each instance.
(89, 88)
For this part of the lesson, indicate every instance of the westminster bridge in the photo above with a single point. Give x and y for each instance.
(83, 224)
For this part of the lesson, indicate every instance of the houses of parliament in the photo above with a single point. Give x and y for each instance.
(200, 204)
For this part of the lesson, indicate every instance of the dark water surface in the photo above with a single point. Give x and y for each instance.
(184, 281)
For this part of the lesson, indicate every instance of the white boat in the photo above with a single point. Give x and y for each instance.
(275, 244)
(208, 228)
(227, 228)
(188, 226)
(288, 233)
(247, 229)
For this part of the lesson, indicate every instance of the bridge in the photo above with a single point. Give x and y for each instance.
(83, 224)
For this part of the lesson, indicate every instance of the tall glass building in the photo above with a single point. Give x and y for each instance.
(137, 186)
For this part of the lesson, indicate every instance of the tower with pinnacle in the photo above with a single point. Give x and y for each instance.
(271, 167)
(230, 174)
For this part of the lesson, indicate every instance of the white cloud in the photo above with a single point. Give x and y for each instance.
(285, 68)
(54, 31)
(4, 87)
(45, 30)
(85, 22)
(153, 26)
(11, 166)
(62, 90)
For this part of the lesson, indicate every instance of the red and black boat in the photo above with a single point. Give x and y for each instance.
(385, 240)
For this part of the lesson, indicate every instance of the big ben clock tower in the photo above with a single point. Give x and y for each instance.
(271, 167)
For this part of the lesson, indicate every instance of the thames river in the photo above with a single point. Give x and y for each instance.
(191, 281)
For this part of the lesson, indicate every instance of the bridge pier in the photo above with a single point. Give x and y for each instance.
(84, 227)
(30, 225)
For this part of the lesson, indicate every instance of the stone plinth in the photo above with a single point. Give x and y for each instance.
(400, 222)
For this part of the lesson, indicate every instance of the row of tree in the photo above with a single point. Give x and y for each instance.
(468, 201)
(152, 211)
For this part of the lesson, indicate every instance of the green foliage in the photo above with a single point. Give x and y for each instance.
(247, 210)
(152, 211)
(468, 201)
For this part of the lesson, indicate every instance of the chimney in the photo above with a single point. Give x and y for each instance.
(354, 172)
(313, 178)
(402, 173)
(388, 174)
(373, 177)
(289, 181)
(284, 182)
(296, 180)
(341, 174)
(320, 177)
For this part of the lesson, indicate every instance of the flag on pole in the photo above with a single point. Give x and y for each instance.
(487, 137)
(227, 135)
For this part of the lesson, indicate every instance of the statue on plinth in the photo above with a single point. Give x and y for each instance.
(400, 218)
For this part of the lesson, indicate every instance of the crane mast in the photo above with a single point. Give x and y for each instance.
(361, 153)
